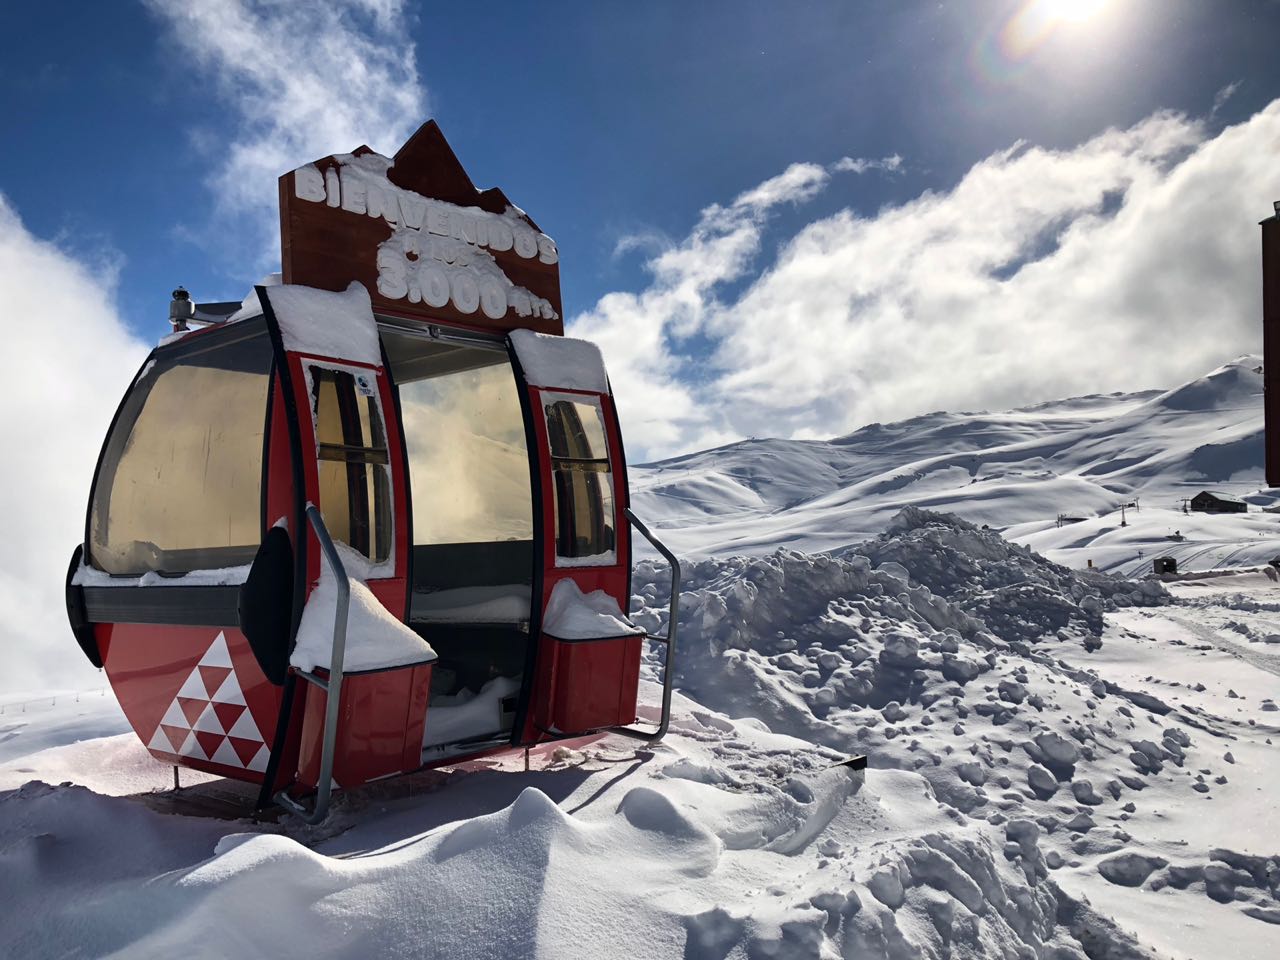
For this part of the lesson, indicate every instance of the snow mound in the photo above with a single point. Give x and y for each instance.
(1017, 593)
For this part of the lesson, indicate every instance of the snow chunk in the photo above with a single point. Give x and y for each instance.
(560, 362)
(327, 324)
(466, 714)
(1130, 869)
(376, 640)
(573, 615)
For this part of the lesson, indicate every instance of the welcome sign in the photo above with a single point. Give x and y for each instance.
(422, 239)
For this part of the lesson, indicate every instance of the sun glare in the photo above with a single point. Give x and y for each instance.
(1073, 11)
(1038, 20)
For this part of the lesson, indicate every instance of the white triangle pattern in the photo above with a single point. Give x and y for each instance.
(194, 689)
(208, 722)
(161, 742)
(229, 692)
(245, 728)
(217, 655)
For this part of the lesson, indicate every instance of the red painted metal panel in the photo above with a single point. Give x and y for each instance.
(380, 724)
(194, 695)
(587, 685)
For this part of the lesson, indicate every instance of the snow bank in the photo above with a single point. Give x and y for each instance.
(376, 639)
(1018, 594)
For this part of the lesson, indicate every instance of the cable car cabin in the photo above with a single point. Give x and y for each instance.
(340, 534)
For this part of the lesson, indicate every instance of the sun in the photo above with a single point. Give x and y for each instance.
(1072, 11)
(1037, 21)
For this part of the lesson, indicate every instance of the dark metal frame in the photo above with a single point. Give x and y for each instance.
(673, 623)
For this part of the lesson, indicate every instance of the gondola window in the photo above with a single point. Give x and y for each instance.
(180, 483)
(583, 482)
(351, 446)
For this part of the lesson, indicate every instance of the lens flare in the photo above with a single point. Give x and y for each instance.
(1001, 52)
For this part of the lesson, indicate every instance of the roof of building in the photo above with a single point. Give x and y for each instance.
(1224, 497)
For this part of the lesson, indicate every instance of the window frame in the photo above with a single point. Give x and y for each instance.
(607, 558)
(373, 569)
(130, 409)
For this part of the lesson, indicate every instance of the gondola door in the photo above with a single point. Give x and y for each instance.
(349, 462)
(587, 660)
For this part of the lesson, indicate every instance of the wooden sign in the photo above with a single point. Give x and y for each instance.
(422, 239)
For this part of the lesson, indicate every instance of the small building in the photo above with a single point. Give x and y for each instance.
(1207, 501)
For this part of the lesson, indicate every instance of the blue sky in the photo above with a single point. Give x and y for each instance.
(602, 119)
(785, 219)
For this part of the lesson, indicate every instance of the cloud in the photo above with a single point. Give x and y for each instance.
(306, 78)
(640, 333)
(67, 360)
(890, 164)
(1128, 261)
(1222, 96)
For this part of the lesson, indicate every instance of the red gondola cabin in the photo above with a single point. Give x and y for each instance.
(373, 518)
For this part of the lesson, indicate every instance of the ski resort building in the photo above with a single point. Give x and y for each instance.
(1208, 501)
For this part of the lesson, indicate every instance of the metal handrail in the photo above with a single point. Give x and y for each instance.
(333, 685)
(673, 620)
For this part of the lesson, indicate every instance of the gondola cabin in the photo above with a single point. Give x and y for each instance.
(375, 517)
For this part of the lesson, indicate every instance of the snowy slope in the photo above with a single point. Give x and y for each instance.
(1016, 471)
(1031, 793)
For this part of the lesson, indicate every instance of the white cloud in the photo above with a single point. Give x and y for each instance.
(1222, 96)
(307, 78)
(640, 333)
(67, 360)
(1128, 261)
(891, 164)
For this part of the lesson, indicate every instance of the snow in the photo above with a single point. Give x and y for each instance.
(250, 305)
(573, 615)
(376, 639)
(326, 324)
(467, 714)
(501, 603)
(561, 363)
(1016, 471)
(1063, 763)
(86, 576)
(437, 252)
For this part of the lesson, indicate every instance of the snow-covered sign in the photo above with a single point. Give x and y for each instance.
(415, 231)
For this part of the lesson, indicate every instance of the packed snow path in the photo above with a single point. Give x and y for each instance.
(1062, 766)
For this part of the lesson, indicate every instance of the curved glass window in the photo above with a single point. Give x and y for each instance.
(583, 480)
(180, 486)
(351, 443)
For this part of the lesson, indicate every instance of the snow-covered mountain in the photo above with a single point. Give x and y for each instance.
(1016, 471)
